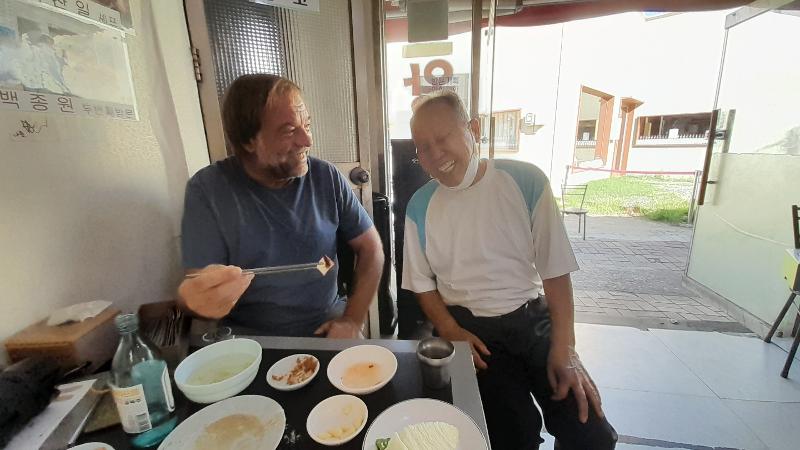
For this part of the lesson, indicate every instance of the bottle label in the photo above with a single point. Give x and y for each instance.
(167, 390)
(132, 408)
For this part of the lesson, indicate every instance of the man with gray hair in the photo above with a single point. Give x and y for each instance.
(484, 244)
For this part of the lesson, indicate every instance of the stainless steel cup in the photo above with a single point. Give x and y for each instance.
(434, 355)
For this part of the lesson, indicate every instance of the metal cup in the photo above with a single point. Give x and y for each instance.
(434, 355)
(218, 334)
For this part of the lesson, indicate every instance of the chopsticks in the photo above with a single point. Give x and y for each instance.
(323, 266)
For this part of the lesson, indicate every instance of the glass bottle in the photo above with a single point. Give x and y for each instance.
(140, 386)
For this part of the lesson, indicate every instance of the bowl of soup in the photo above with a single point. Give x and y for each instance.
(362, 369)
(219, 371)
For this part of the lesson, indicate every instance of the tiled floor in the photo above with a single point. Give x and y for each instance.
(631, 274)
(691, 389)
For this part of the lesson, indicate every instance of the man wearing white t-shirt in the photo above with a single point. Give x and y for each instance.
(484, 242)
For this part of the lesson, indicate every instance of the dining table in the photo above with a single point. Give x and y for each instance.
(462, 391)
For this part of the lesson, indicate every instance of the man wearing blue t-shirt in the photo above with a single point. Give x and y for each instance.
(271, 204)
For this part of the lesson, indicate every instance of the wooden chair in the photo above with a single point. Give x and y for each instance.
(575, 191)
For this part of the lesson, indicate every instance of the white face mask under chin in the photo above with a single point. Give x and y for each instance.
(469, 174)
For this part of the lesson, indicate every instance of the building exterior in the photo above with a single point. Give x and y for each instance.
(627, 92)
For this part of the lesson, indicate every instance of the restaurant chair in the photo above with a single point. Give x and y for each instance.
(577, 192)
(792, 277)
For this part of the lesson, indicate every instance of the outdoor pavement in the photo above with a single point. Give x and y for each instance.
(631, 274)
(691, 390)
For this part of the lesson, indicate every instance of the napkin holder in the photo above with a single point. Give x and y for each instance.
(89, 343)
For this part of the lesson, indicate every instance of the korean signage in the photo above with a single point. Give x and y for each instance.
(437, 75)
(300, 5)
(24, 101)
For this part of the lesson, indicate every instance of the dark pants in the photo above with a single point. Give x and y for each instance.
(520, 342)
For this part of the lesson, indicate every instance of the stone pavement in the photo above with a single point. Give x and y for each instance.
(631, 274)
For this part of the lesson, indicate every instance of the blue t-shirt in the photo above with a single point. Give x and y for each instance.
(230, 219)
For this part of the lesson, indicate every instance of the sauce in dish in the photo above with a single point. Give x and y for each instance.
(362, 375)
(220, 369)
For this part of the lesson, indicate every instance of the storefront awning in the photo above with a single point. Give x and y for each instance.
(546, 13)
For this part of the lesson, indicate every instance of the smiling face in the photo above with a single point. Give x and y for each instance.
(279, 151)
(444, 142)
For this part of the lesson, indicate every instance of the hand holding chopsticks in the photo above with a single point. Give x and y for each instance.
(213, 292)
(322, 266)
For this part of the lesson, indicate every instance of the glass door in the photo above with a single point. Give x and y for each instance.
(485, 70)
(429, 45)
(755, 103)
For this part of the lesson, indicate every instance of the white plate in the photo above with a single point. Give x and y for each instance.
(284, 366)
(419, 410)
(383, 357)
(266, 409)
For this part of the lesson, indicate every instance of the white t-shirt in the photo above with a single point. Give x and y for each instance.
(489, 246)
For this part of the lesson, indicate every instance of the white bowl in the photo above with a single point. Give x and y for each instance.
(337, 419)
(283, 367)
(232, 351)
(385, 359)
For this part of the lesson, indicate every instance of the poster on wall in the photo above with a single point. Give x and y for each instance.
(112, 13)
(51, 62)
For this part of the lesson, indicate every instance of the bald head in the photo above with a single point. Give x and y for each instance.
(441, 101)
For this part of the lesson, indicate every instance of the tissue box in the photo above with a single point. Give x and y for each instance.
(91, 342)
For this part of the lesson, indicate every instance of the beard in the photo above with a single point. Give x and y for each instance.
(286, 170)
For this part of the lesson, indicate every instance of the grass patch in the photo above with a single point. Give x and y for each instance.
(664, 199)
(674, 216)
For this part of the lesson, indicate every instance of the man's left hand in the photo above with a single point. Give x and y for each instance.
(340, 328)
(566, 372)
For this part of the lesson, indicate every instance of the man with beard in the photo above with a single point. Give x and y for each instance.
(271, 204)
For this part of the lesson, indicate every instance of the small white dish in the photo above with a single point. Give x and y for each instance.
(384, 360)
(284, 367)
(92, 446)
(419, 410)
(247, 421)
(337, 419)
(219, 357)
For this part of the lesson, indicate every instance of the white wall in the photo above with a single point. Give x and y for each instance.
(760, 80)
(664, 63)
(669, 159)
(91, 210)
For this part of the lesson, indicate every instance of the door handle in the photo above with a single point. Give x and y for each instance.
(359, 176)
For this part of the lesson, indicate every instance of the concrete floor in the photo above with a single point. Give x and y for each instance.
(691, 389)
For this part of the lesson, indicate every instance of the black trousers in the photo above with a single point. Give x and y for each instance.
(520, 343)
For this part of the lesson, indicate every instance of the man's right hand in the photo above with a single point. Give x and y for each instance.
(215, 290)
(456, 333)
